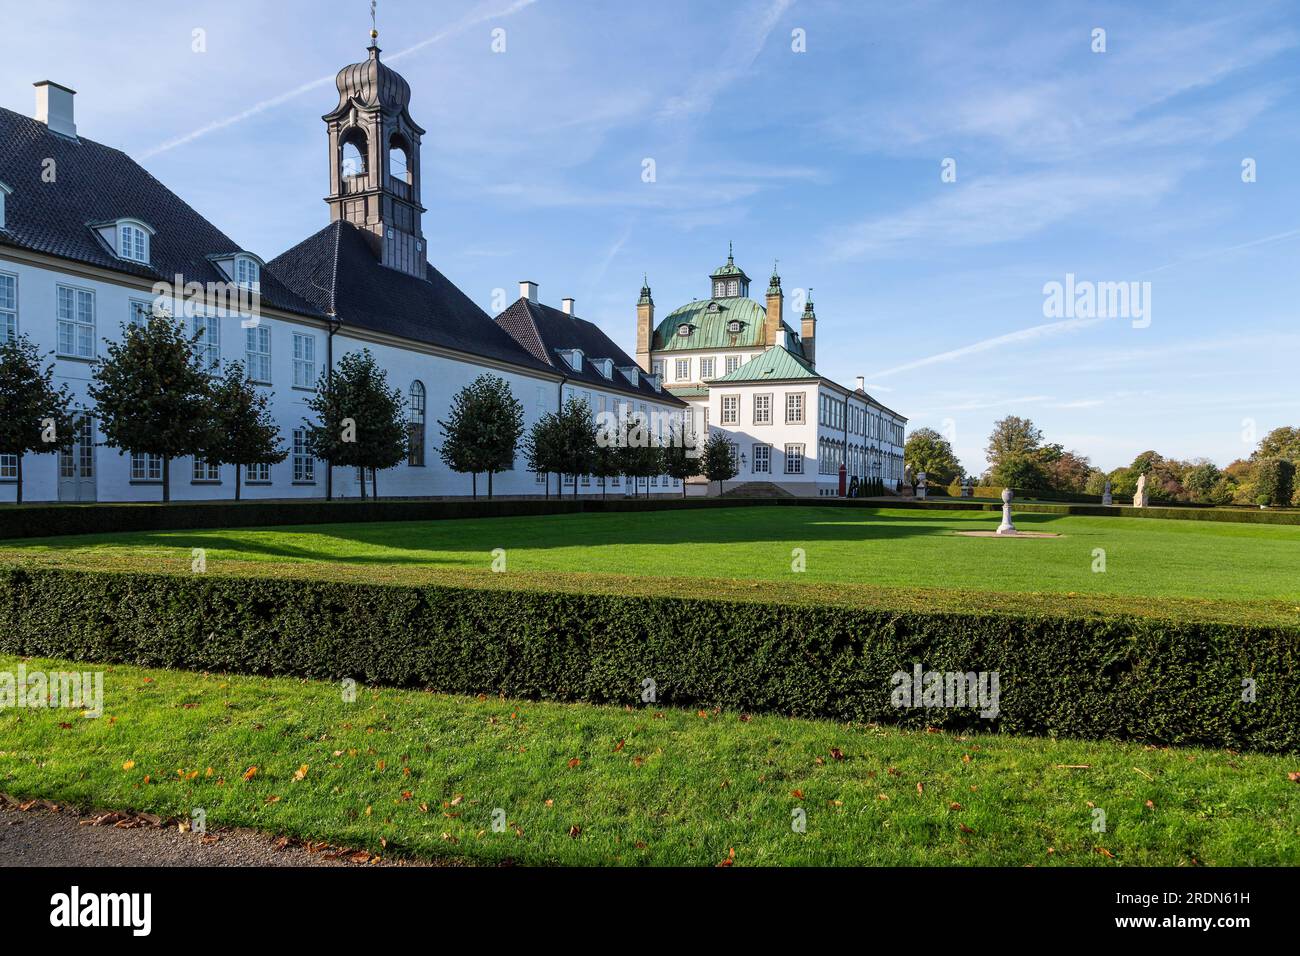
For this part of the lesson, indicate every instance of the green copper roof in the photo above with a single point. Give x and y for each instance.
(730, 269)
(777, 364)
(709, 327)
(689, 391)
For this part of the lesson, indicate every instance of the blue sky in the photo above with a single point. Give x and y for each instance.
(1121, 166)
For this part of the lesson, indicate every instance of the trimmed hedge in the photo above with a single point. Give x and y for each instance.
(39, 521)
(1101, 678)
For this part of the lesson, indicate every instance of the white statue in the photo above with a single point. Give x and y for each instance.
(1006, 527)
(921, 486)
(1105, 495)
(1140, 496)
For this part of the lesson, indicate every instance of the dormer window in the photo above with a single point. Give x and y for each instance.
(573, 357)
(132, 241)
(714, 307)
(684, 330)
(4, 191)
(733, 327)
(248, 274)
(604, 366)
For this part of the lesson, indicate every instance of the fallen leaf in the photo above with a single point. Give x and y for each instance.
(575, 831)
(128, 765)
(964, 828)
(250, 773)
(837, 753)
(954, 806)
(300, 773)
(920, 787)
(573, 762)
(273, 799)
(797, 794)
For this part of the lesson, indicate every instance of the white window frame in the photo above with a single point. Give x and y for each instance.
(8, 467)
(132, 242)
(763, 408)
(248, 273)
(304, 465)
(208, 344)
(304, 360)
(657, 368)
(257, 473)
(732, 363)
(682, 370)
(75, 322)
(146, 467)
(729, 410)
(4, 191)
(762, 462)
(707, 366)
(205, 472)
(794, 408)
(9, 307)
(794, 456)
(259, 334)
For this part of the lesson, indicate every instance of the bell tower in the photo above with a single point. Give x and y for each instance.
(374, 149)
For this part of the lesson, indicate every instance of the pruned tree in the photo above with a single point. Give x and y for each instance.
(928, 451)
(151, 395)
(577, 434)
(241, 429)
(35, 417)
(681, 458)
(544, 448)
(482, 430)
(361, 422)
(719, 465)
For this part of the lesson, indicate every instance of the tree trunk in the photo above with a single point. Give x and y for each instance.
(683, 487)
(602, 487)
(167, 479)
(489, 486)
(19, 489)
(473, 484)
(575, 487)
(374, 483)
(362, 472)
(236, 481)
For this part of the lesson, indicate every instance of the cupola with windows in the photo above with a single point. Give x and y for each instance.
(729, 281)
(375, 161)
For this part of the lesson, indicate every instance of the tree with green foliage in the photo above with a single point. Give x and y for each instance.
(544, 449)
(1274, 481)
(150, 394)
(718, 464)
(928, 451)
(361, 422)
(681, 459)
(577, 440)
(1281, 442)
(1201, 480)
(35, 417)
(482, 430)
(241, 428)
(1013, 454)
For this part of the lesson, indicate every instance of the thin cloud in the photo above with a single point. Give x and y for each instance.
(274, 101)
(1031, 334)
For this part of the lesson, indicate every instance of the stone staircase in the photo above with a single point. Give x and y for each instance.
(757, 489)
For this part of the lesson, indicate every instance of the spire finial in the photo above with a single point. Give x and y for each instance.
(730, 255)
(374, 26)
(774, 264)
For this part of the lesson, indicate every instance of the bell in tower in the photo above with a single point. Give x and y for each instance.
(375, 161)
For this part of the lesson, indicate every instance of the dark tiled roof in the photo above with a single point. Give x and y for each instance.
(337, 271)
(545, 332)
(94, 183)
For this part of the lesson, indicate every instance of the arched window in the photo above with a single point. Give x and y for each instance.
(352, 159)
(398, 159)
(415, 426)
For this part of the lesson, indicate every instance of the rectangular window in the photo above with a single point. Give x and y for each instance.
(206, 471)
(258, 354)
(76, 323)
(304, 360)
(145, 467)
(8, 306)
(304, 465)
(730, 409)
(762, 459)
(733, 363)
(706, 368)
(133, 243)
(682, 371)
(794, 459)
(762, 409)
(8, 467)
(259, 473)
(657, 367)
(140, 312)
(794, 408)
(208, 346)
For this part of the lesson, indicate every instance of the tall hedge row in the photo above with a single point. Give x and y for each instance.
(1163, 682)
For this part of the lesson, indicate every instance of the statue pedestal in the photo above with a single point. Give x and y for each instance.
(1006, 527)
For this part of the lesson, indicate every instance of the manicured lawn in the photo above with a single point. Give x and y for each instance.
(581, 784)
(889, 548)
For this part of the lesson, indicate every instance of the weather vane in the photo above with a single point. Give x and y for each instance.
(374, 27)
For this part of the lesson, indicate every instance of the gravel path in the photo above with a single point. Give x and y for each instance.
(41, 836)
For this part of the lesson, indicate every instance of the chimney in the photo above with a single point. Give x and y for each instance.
(862, 383)
(54, 108)
(528, 290)
(567, 305)
(780, 337)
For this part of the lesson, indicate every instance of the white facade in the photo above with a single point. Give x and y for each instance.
(298, 350)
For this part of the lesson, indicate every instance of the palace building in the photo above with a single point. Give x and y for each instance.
(90, 242)
(741, 368)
